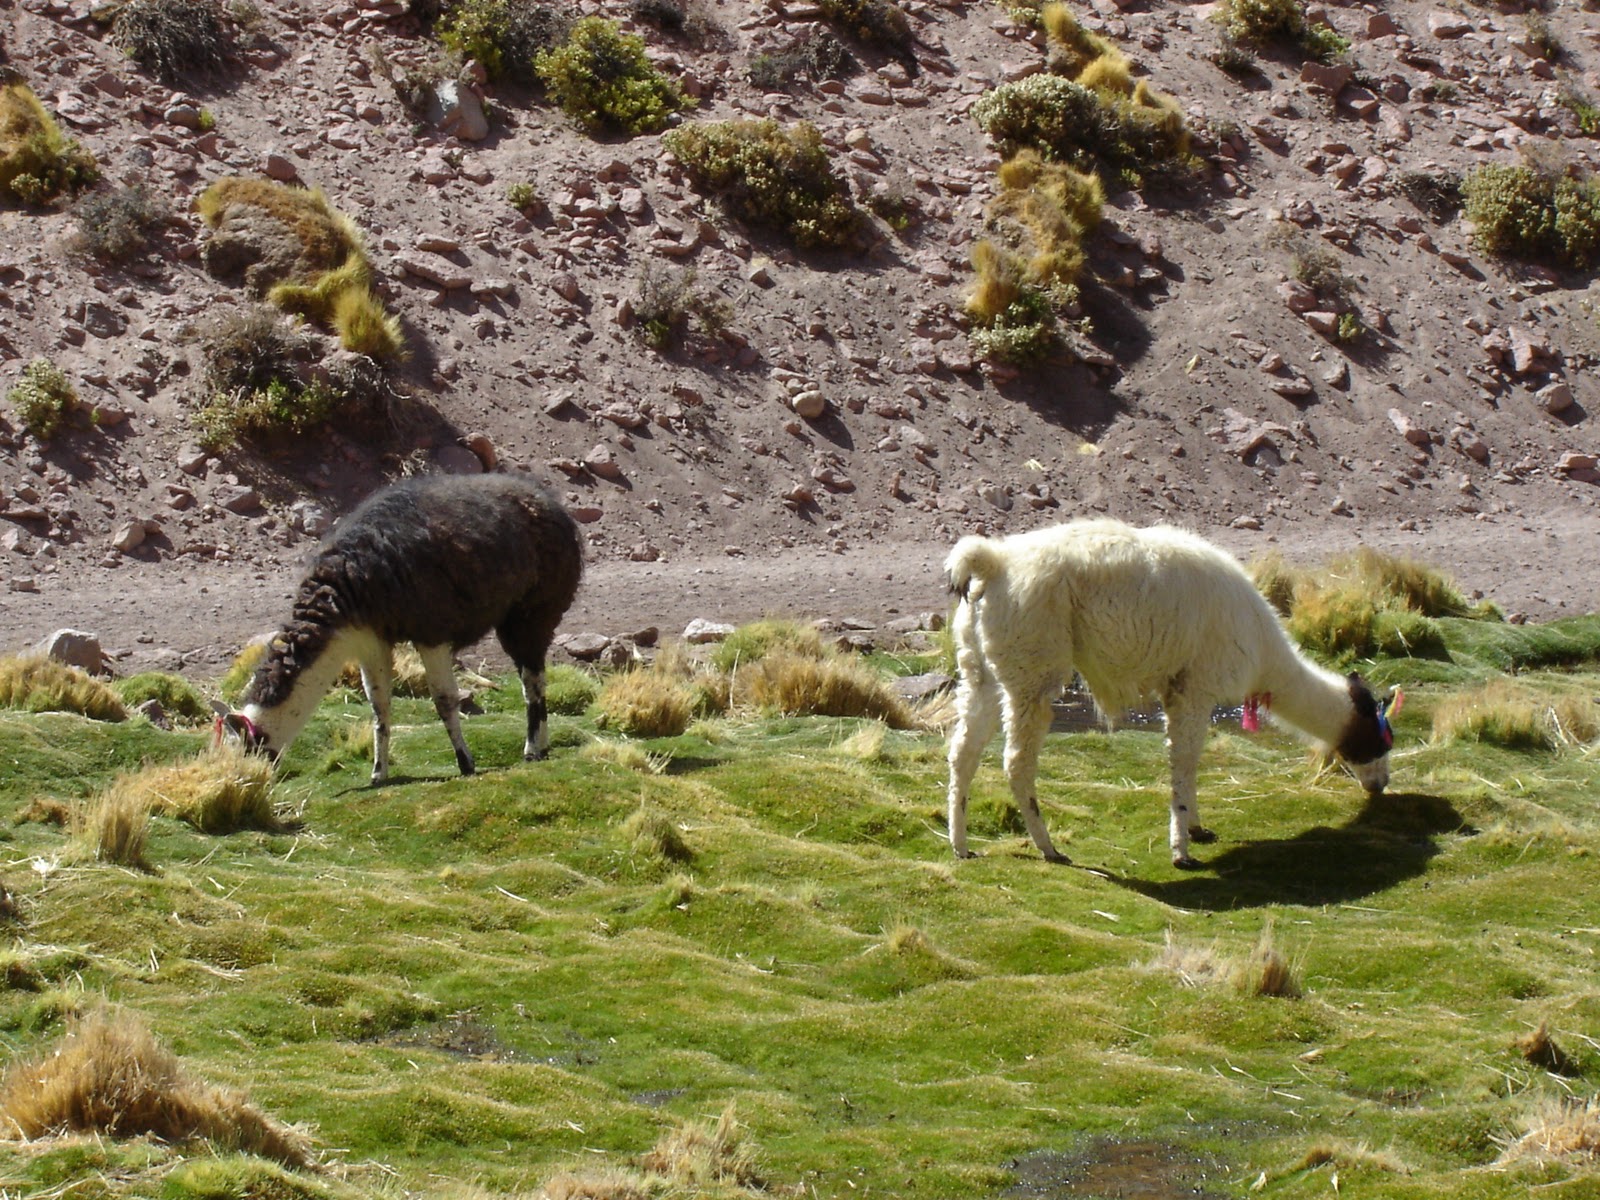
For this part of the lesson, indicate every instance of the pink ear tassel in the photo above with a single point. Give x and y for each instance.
(1250, 717)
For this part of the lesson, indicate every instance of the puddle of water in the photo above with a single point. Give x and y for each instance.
(1075, 712)
(1114, 1170)
(658, 1097)
(460, 1035)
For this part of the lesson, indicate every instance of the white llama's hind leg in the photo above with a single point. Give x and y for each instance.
(1027, 715)
(439, 664)
(1186, 739)
(377, 680)
(978, 706)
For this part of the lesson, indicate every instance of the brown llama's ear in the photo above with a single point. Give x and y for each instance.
(1366, 704)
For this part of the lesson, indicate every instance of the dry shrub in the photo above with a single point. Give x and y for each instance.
(114, 828)
(794, 685)
(1540, 1049)
(36, 684)
(171, 38)
(219, 791)
(110, 1076)
(1265, 972)
(644, 703)
(1194, 965)
(754, 641)
(698, 1155)
(1565, 1130)
(1506, 713)
(655, 836)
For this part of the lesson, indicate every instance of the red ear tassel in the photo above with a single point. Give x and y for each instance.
(216, 732)
(1250, 716)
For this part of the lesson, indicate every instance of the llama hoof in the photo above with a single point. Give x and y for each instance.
(1202, 835)
(467, 767)
(966, 854)
(535, 756)
(1184, 863)
(1055, 856)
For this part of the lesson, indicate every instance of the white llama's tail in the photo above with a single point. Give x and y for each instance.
(971, 565)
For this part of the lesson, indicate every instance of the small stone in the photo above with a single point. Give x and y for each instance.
(701, 632)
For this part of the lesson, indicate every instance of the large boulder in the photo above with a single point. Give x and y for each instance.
(78, 649)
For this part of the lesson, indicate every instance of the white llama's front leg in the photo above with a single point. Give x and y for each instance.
(1027, 715)
(377, 680)
(979, 707)
(438, 663)
(1186, 739)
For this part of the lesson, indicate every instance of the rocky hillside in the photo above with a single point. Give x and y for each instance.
(837, 402)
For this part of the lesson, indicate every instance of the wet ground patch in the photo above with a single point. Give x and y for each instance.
(1111, 1169)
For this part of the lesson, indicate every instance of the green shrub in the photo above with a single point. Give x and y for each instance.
(1583, 109)
(178, 698)
(171, 38)
(524, 197)
(771, 176)
(1523, 212)
(1283, 21)
(37, 161)
(43, 398)
(504, 36)
(602, 78)
(874, 22)
(1071, 123)
(1012, 320)
(282, 408)
(115, 225)
(568, 690)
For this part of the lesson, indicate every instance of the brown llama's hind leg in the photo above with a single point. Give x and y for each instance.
(525, 635)
(439, 664)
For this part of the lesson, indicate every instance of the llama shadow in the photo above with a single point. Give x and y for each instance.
(1390, 840)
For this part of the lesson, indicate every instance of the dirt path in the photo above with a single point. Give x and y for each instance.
(197, 615)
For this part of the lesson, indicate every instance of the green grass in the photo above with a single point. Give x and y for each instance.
(773, 921)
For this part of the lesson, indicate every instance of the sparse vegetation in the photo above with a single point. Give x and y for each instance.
(1516, 717)
(668, 301)
(816, 56)
(771, 176)
(1259, 22)
(602, 78)
(1529, 213)
(1437, 193)
(35, 684)
(43, 398)
(38, 163)
(880, 23)
(116, 224)
(505, 36)
(172, 38)
(1583, 109)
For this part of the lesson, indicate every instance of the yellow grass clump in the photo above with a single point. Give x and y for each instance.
(1566, 1131)
(655, 836)
(110, 1076)
(644, 703)
(1266, 972)
(36, 684)
(241, 670)
(700, 1154)
(219, 791)
(795, 685)
(756, 640)
(114, 828)
(999, 281)
(37, 161)
(1504, 712)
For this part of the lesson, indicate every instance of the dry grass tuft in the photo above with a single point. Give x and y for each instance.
(1559, 1130)
(699, 1154)
(1194, 965)
(1267, 972)
(795, 685)
(644, 703)
(655, 836)
(110, 1076)
(1344, 1154)
(114, 828)
(624, 754)
(36, 684)
(1504, 712)
(219, 791)
(1540, 1049)
(601, 1185)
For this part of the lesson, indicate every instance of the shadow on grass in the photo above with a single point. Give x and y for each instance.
(1391, 839)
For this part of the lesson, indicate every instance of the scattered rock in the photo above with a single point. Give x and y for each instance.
(75, 648)
(701, 632)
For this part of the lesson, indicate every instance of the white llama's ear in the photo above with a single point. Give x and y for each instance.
(221, 709)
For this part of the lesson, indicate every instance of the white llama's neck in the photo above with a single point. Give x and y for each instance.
(1304, 695)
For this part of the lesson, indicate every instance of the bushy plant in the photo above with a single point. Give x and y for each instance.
(281, 408)
(879, 23)
(43, 398)
(644, 703)
(1529, 213)
(38, 163)
(1012, 320)
(816, 56)
(1053, 208)
(1282, 21)
(793, 684)
(1072, 47)
(171, 38)
(603, 78)
(365, 327)
(667, 302)
(115, 224)
(568, 690)
(36, 684)
(754, 641)
(1437, 193)
(1071, 123)
(771, 176)
(178, 697)
(504, 36)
